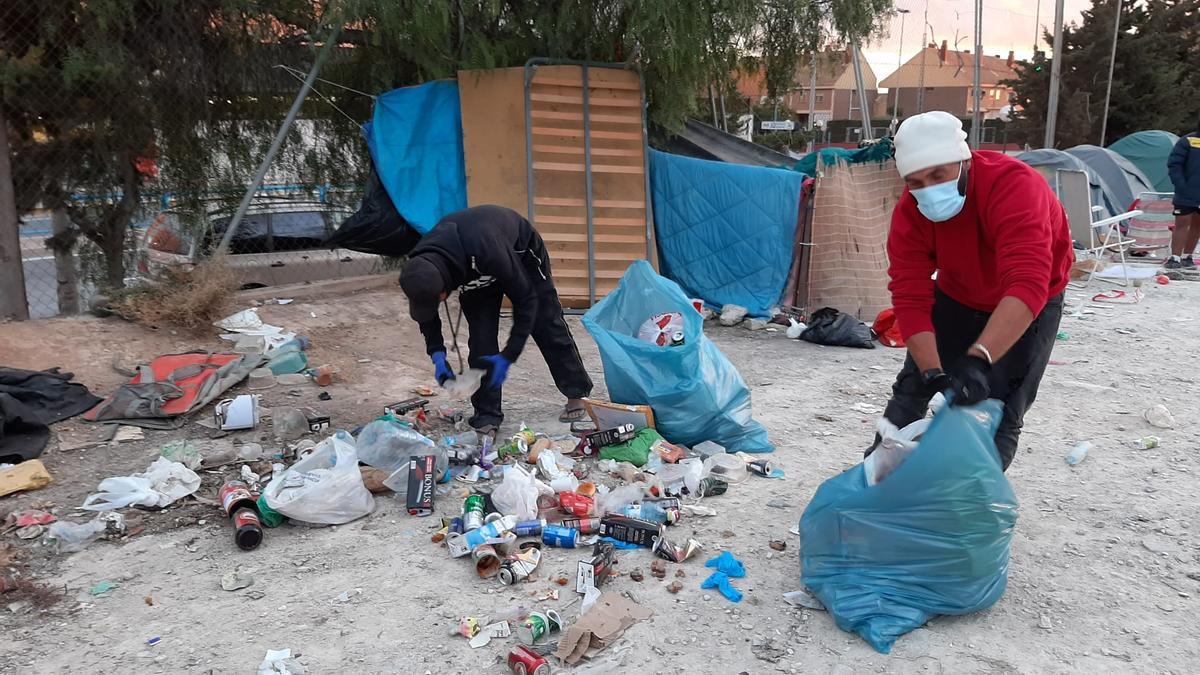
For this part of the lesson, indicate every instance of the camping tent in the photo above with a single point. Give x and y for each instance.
(1125, 181)
(1148, 151)
(1048, 160)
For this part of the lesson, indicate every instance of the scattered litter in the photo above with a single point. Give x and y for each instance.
(154, 640)
(697, 510)
(1079, 452)
(1148, 442)
(126, 433)
(236, 579)
(30, 532)
(163, 483)
(345, 596)
(29, 517)
(599, 626)
(280, 662)
(28, 475)
(1044, 622)
(757, 324)
(184, 452)
(778, 545)
(768, 649)
(795, 328)
(104, 589)
(500, 629)
(802, 598)
(71, 537)
(1062, 335)
(1159, 416)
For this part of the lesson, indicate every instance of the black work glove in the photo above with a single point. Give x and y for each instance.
(936, 381)
(969, 381)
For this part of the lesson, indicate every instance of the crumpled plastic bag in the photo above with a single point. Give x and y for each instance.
(323, 488)
(827, 326)
(162, 483)
(896, 444)
(517, 494)
(696, 393)
(388, 445)
(931, 539)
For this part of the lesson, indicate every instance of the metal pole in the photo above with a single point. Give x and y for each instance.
(862, 95)
(587, 187)
(924, 50)
(1055, 75)
(812, 103)
(899, 65)
(281, 135)
(1037, 25)
(977, 93)
(1112, 60)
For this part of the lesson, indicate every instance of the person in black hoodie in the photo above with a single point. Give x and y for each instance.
(488, 252)
(1183, 165)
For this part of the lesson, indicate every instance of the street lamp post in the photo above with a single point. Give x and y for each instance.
(899, 64)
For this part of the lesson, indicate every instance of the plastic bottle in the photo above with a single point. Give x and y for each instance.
(1079, 452)
(291, 361)
(73, 537)
(651, 512)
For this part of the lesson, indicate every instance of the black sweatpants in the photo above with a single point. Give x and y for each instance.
(481, 308)
(1014, 378)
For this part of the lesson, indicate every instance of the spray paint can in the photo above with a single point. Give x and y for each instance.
(760, 467)
(559, 536)
(529, 528)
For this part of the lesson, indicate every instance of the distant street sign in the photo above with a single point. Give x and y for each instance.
(778, 125)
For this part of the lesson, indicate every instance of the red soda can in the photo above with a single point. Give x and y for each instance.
(247, 529)
(235, 495)
(576, 504)
(524, 661)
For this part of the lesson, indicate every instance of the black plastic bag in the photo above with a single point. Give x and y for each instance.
(827, 326)
(377, 227)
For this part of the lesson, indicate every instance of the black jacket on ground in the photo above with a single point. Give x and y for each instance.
(479, 246)
(1183, 166)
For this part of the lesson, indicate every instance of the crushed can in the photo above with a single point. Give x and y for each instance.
(518, 567)
(673, 552)
(761, 467)
(559, 536)
(593, 573)
(584, 525)
(487, 561)
(575, 504)
(539, 626)
(524, 661)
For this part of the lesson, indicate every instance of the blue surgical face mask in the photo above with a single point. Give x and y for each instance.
(941, 202)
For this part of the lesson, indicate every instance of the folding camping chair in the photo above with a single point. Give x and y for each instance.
(1075, 193)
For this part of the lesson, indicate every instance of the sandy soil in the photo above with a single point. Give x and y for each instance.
(1104, 574)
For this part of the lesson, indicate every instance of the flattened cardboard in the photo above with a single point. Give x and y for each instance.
(600, 627)
(612, 415)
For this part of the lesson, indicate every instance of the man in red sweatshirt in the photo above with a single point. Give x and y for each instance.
(998, 240)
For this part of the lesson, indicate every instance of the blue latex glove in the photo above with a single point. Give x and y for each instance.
(720, 581)
(441, 371)
(727, 565)
(498, 367)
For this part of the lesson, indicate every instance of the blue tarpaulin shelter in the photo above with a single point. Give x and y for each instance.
(725, 231)
(415, 138)
(1124, 180)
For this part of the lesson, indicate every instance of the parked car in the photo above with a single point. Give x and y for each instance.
(278, 242)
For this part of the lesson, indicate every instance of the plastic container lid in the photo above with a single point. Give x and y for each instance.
(729, 468)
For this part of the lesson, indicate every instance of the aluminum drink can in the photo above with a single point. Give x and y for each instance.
(583, 525)
(472, 513)
(529, 528)
(557, 535)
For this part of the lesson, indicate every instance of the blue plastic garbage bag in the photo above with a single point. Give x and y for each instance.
(696, 393)
(931, 538)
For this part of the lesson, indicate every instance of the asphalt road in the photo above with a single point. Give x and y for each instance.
(41, 283)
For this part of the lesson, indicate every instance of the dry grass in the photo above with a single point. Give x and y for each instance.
(178, 298)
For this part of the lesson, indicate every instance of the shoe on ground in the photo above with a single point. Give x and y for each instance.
(1187, 264)
(1173, 264)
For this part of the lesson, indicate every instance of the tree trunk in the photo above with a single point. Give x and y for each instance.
(114, 257)
(64, 265)
(13, 304)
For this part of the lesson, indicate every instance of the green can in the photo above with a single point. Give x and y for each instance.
(473, 508)
(269, 516)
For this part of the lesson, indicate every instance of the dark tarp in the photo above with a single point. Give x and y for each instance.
(1048, 160)
(30, 401)
(377, 227)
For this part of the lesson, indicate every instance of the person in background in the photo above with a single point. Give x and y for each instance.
(997, 237)
(1183, 165)
(488, 252)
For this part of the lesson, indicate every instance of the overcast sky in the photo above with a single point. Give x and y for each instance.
(1007, 25)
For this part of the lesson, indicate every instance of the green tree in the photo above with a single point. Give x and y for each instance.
(1157, 64)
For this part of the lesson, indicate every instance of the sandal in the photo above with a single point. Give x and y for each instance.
(569, 415)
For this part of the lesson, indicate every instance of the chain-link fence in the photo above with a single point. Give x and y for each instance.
(134, 129)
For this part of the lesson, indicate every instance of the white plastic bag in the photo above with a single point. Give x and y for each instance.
(893, 449)
(517, 494)
(163, 482)
(660, 329)
(324, 488)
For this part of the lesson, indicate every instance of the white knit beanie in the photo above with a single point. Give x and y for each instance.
(930, 139)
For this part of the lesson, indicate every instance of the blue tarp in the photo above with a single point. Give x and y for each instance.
(725, 231)
(415, 138)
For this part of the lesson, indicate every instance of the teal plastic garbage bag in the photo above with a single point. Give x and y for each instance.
(696, 393)
(931, 538)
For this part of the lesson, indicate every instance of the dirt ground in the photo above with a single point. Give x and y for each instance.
(1104, 575)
